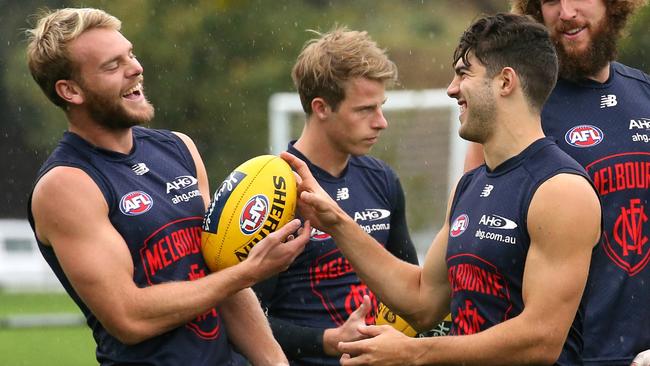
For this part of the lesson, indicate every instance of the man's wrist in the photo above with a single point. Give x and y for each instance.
(331, 341)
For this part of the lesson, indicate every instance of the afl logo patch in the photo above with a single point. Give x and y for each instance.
(459, 225)
(319, 235)
(135, 203)
(254, 214)
(584, 136)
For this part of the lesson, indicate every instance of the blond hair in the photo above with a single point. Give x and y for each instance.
(327, 62)
(47, 49)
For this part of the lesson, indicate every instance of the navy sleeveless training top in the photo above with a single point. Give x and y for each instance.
(320, 288)
(488, 241)
(606, 128)
(155, 204)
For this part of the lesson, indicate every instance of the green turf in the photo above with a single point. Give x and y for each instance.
(47, 346)
(43, 346)
(29, 303)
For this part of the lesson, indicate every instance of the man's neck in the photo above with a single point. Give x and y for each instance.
(114, 140)
(602, 75)
(513, 136)
(322, 154)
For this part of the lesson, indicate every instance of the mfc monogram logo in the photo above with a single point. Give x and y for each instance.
(630, 251)
(468, 320)
(628, 229)
(622, 181)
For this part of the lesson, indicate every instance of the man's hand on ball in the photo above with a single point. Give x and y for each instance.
(314, 203)
(278, 250)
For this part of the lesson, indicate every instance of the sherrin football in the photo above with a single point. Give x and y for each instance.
(256, 199)
(386, 316)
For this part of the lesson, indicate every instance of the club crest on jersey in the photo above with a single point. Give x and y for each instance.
(135, 203)
(254, 214)
(584, 136)
(459, 225)
(319, 235)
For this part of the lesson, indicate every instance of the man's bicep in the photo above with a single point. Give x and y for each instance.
(564, 225)
(74, 222)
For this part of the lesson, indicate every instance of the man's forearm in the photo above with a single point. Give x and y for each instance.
(249, 330)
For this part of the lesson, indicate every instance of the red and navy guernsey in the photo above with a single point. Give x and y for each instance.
(155, 204)
(320, 289)
(606, 128)
(489, 241)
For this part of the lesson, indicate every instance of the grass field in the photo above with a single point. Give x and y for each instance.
(65, 346)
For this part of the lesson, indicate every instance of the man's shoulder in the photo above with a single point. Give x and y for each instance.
(143, 132)
(630, 73)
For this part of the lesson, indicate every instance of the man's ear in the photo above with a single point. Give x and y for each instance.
(508, 81)
(320, 108)
(69, 91)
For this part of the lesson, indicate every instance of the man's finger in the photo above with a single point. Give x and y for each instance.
(373, 330)
(642, 359)
(364, 308)
(298, 165)
(289, 228)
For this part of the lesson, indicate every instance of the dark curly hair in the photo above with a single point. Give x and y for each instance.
(516, 41)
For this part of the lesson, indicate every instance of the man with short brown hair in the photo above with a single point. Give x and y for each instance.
(599, 113)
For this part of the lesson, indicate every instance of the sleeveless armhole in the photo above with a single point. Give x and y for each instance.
(94, 174)
(526, 203)
(460, 187)
(399, 242)
(185, 152)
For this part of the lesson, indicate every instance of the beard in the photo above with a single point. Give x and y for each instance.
(582, 64)
(480, 117)
(112, 115)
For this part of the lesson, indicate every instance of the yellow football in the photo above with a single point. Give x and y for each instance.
(256, 199)
(386, 317)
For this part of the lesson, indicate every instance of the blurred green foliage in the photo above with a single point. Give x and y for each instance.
(211, 66)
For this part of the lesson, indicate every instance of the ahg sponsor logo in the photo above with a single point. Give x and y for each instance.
(497, 222)
(181, 183)
(640, 124)
(371, 214)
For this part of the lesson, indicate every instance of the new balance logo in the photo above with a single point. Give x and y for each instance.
(140, 168)
(608, 100)
(487, 190)
(342, 194)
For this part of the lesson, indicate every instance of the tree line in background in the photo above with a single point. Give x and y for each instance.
(212, 65)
